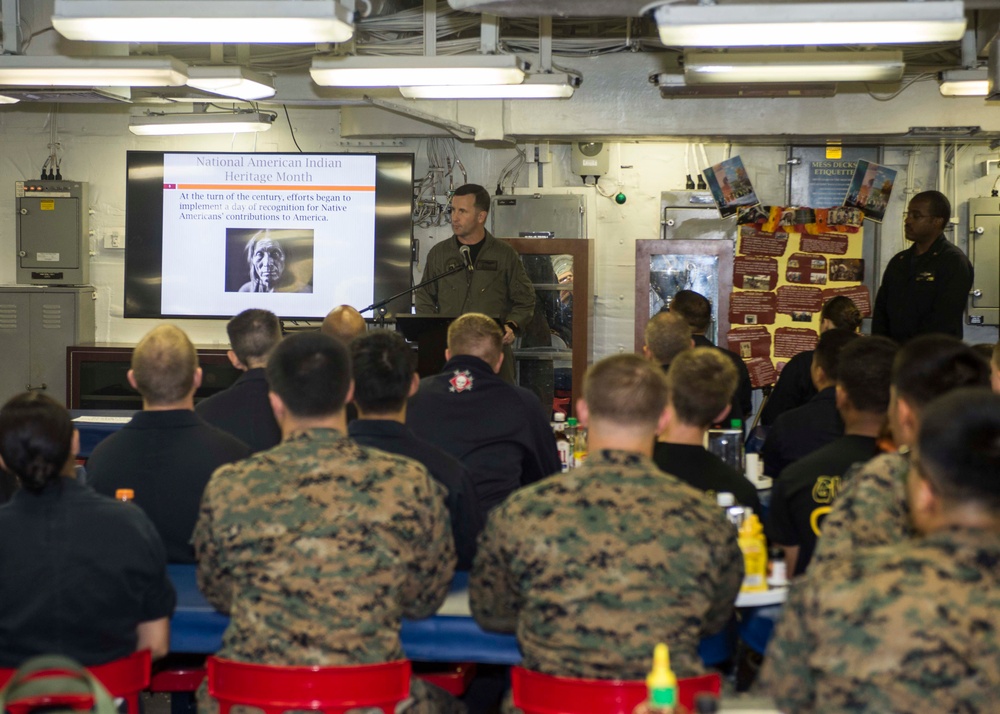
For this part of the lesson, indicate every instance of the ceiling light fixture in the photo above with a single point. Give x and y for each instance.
(195, 21)
(735, 67)
(534, 86)
(4, 99)
(964, 83)
(153, 124)
(673, 86)
(231, 81)
(827, 23)
(417, 71)
(57, 71)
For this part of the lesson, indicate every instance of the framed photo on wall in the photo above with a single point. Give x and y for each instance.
(664, 267)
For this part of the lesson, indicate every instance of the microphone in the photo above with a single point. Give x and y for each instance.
(467, 257)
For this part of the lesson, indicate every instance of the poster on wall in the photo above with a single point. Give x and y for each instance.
(730, 185)
(870, 189)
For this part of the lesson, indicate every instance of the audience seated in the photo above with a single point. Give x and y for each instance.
(385, 375)
(807, 488)
(701, 383)
(166, 453)
(343, 323)
(816, 423)
(84, 576)
(243, 409)
(795, 387)
(499, 431)
(871, 509)
(696, 310)
(910, 627)
(666, 336)
(592, 568)
(319, 547)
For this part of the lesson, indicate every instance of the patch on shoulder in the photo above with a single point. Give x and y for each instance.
(461, 381)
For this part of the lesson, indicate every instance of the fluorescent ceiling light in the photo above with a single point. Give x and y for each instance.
(735, 67)
(199, 123)
(534, 86)
(965, 83)
(828, 23)
(8, 100)
(413, 71)
(231, 81)
(55, 71)
(191, 21)
(673, 86)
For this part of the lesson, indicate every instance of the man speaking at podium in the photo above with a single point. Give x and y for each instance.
(494, 281)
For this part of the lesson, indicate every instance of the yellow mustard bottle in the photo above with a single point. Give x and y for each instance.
(661, 684)
(751, 540)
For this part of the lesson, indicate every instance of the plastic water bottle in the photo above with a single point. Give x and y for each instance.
(734, 512)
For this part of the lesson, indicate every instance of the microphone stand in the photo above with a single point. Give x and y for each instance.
(381, 306)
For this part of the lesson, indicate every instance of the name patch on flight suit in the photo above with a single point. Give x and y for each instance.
(925, 277)
(486, 265)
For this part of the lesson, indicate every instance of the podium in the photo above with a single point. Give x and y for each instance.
(430, 333)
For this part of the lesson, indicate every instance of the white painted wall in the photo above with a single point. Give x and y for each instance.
(94, 140)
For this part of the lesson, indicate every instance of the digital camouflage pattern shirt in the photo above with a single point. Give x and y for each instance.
(870, 510)
(317, 548)
(903, 628)
(594, 567)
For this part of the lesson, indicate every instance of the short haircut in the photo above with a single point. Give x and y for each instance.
(163, 364)
(626, 390)
(481, 196)
(958, 447)
(828, 347)
(383, 366)
(311, 372)
(929, 366)
(702, 382)
(842, 312)
(694, 308)
(937, 204)
(477, 335)
(253, 334)
(667, 334)
(36, 435)
(864, 372)
(996, 355)
(343, 323)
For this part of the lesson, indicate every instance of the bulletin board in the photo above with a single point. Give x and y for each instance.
(789, 261)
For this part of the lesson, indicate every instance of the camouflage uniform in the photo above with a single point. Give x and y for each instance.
(318, 547)
(902, 628)
(593, 567)
(870, 510)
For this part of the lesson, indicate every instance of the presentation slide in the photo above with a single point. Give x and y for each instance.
(291, 233)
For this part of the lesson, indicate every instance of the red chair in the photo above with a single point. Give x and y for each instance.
(125, 678)
(536, 693)
(177, 679)
(333, 690)
(454, 680)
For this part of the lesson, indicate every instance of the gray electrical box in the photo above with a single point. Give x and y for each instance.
(52, 233)
(984, 252)
(538, 216)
